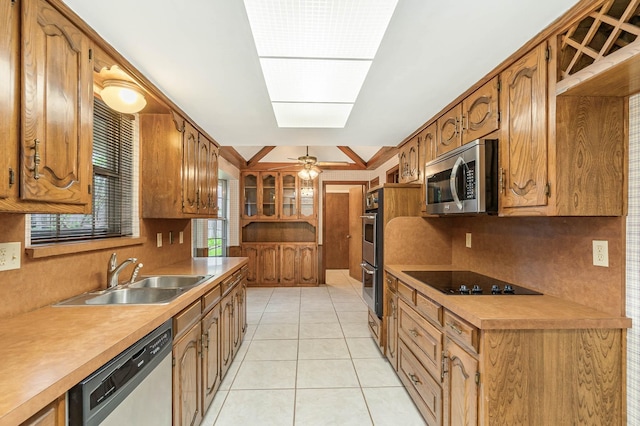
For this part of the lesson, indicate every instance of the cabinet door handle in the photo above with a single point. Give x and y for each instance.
(414, 332)
(36, 159)
(454, 327)
(414, 378)
(464, 126)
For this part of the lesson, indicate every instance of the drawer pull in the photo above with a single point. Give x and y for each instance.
(414, 332)
(455, 327)
(414, 378)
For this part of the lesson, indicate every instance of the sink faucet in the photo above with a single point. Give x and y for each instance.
(113, 271)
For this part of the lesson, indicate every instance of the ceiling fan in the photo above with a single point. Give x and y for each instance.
(310, 169)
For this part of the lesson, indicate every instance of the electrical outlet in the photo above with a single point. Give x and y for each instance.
(468, 241)
(170, 237)
(9, 256)
(601, 253)
(181, 237)
(159, 239)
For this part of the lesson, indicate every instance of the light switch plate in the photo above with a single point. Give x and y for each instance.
(181, 237)
(9, 256)
(159, 239)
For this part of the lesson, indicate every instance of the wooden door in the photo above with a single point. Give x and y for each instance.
(226, 333)
(269, 264)
(289, 264)
(251, 251)
(307, 264)
(448, 134)
(239, 308)
(249, 193)
(355, 232)
(57, 107)
(427, 153)
(480, 112)
(202, 175)
(336, 243)
(190, 152)
(408, 161)
(391, 316)
(269, 195)
(211, 366)
(288, 195)
(187, 386)
(9, 95)
(523, 145)
(212, 180)
(461, 388)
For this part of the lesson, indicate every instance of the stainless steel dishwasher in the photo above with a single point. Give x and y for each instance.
(134, 388)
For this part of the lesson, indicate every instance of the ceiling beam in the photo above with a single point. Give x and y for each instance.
(382, 156)
(353, 156)
(259, 156)
(232, 156)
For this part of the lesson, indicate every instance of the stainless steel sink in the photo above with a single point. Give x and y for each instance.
(150, 290)
(170, 281)
(135, 296)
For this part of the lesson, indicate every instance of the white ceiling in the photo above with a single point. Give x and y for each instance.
(201, 54)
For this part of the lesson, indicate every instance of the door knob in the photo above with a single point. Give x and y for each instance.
(348, 236)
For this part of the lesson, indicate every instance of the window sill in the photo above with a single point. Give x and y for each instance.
(58, 249)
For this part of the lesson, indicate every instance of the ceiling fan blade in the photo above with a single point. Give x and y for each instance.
(332, 163)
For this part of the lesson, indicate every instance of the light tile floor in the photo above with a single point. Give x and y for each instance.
(308, 359)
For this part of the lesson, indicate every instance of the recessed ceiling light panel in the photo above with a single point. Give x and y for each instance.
(319, 28)
(311, 115)
(314, 80)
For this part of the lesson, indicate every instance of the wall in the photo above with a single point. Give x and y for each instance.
(549, 254)
(40, 282)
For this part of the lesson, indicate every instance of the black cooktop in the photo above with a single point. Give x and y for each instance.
(468, 283)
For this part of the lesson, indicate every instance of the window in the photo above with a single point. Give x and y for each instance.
(210, 235)
(113, 136)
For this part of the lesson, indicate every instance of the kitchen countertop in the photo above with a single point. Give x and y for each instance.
(512, 312)
(47, 351)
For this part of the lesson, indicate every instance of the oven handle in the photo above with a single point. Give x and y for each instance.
(371, 217)
(452, 181)
(366, 269)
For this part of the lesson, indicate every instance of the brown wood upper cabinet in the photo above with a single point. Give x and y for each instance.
(523, 143)
(53, 76)
(278, 196)
(559, 156)
(476, 116)
(179, 168)
(409, 161)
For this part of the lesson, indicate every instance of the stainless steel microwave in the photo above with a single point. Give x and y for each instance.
(464, 180)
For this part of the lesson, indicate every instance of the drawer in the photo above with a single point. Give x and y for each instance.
(211, 298)
(186, 318)
(424, 340)
(429, 308)
(424, 390)
(391, 282)
(461, 331)
(227, 284)
(374, 326)
(408, 293)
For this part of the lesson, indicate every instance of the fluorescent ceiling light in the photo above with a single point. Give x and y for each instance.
(319, 29)
(311, 114)
(312, 80)
(316, 51)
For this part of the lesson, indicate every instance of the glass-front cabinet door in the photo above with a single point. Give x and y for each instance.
(288, 208)
(250, 193)
(308, 192)
(268, 195)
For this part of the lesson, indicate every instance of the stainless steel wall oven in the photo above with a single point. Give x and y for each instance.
(372, 251)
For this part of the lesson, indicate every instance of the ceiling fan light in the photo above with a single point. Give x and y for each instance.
(309, 173)
(123, 96)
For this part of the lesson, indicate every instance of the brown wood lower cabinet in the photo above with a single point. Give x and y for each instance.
(53, 414)
(281, 264)
(458, 374)
(208, 335)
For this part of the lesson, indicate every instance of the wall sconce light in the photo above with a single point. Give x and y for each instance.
(309, 172)
(123, 96)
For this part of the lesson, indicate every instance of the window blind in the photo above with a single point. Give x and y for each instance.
(112, 185)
